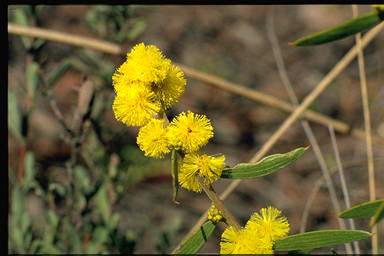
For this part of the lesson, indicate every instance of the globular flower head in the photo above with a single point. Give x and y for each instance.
(244, 241)
(269, 223)
(170, 89)
(207, 167)
(153, 140)
(144, 64)
(136, 105)
(189, 131)
(214, 214)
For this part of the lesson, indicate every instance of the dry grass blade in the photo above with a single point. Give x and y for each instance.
(367, 126)
(307, 128)
(343, 181)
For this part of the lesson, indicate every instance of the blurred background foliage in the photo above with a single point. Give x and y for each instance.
(78, 182)
(76, 196)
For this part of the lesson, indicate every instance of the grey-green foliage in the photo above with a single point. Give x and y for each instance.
(117, 22)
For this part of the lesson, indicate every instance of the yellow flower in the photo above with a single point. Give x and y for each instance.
(190, 131)
(152, 139)
(145, 64)
(170, 90)
(243, 241)
(136, 105)
(207, 167)
(214, 214)
(269, 223)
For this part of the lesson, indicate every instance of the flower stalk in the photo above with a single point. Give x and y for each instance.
(211, 193)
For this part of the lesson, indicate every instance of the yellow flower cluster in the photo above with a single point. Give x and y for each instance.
(207, 167)
(258, 235)
(147, 84)
(144, 84)
(214, 214)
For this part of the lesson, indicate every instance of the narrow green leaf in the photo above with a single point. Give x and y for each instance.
(364, 210)
(379, 214)
(21, 17)
(30, 172)
(103, 203)
(14, 116)
(175, 174)
(32, 78)
(195, 242)
(317, 239)
(345, 29)
(58, 72)
(264, 167)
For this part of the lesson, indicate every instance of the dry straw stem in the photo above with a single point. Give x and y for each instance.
(337, 69)
(367, 126)
(305, 124)
(212, 80)
(343, 181)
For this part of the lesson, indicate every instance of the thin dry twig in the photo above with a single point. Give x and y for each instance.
(343, 182)
(212, 80)
(367, 127)
(305, 124)
(337, 69)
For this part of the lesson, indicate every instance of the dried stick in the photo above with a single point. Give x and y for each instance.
(305, 124)
(65, 38)
(343, 182)
(367, 127)
(212, 80)
(339, 67)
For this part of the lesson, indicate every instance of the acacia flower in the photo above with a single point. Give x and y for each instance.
(258, 236)
(136, 105)
(189, 131)
(214, 214)
(152, 139)
(244, 241)
(144, 64)
(207, 167)
(170, 89)
(269, 223)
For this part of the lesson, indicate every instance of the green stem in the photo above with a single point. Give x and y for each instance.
(219, 204)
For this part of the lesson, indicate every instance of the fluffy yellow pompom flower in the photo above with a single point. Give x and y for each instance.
(269, 223)
(244, 242)
(170, 90)
(152, 139)
(207, 167)
(136, 105)
(144, 64)
(214, 214)
(189, 131)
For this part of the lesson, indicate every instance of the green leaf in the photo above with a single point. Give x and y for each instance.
(21, 18)
(14, 116)
(58, 72)
(30, 172)
(364, 210)
(348, 28)
(379, 214)
(175, 174)
(264, 167)
(102, 203)
(32, 78)
(195, 242)
(317, 239)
